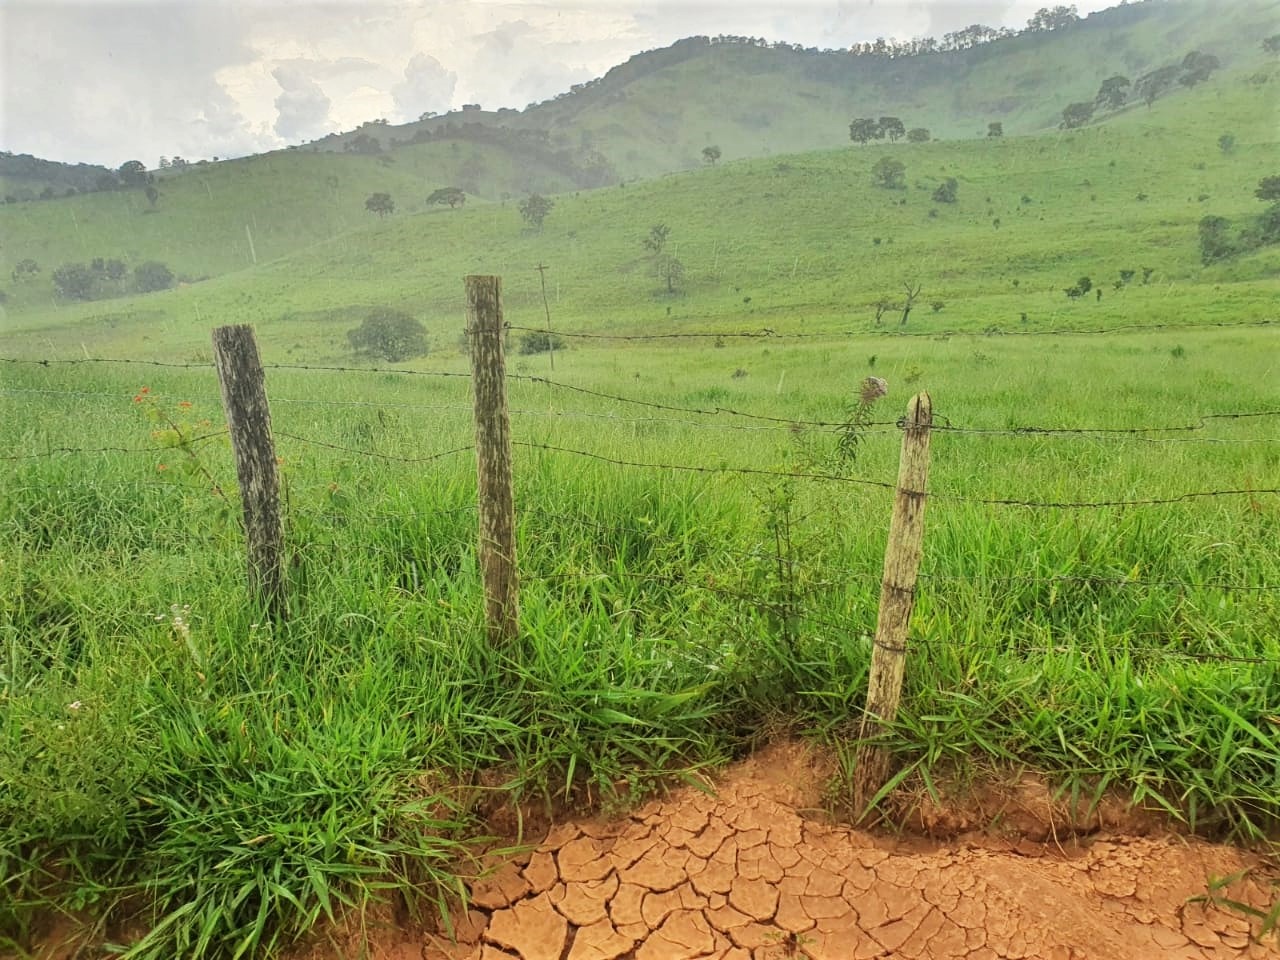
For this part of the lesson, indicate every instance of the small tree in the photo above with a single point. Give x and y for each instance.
(1076, 115)
(133, 173)
(152, 194)
(912, 293)
(995, 129)
(75, 281)
(918, 135)
(657, 238)
(1214, 242)
(671, 270)
(540, 341)
(864, 129)
(1268, 188)
(889, 173)
(710, 155)
(1113, 93)
(946, 192)
(1227, 142)
(1272, 43)
(892, 128)
(390, 335)
(534, 209)
(152, 276)
(380, 203)
(453, 196)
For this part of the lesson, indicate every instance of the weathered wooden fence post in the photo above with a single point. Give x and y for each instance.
(497, 544)
(244, 397)
(897, 600)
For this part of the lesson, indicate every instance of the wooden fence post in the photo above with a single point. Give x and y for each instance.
(897, 600)
(244, 398)
(497, 543)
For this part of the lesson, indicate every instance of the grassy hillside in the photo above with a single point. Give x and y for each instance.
(655, 113)
(801, 242)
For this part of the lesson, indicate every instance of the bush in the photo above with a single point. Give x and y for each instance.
(75, 281)
(151, 276)
(390, 335)
(539, 341)
(946, 192)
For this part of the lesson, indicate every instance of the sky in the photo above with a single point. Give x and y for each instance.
(105, 81)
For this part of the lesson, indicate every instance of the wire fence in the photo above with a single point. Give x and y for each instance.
(817, 579)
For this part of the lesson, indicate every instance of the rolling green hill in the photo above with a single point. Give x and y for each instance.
(802, 242)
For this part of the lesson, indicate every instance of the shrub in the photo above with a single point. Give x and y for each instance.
(151, 276)
(946, 191)
(390, 335)
(540, 341)
(75, 281)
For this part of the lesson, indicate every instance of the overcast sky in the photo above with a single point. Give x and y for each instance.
(104, 81)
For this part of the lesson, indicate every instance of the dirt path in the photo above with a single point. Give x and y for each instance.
(744, 876)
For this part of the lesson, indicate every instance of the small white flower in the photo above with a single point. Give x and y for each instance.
(74, 706)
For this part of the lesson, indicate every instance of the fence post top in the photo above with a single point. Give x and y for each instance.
(920, 409)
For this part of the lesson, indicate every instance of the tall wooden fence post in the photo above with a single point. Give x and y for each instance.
(244, 397)
(497, 543)
(897, 600)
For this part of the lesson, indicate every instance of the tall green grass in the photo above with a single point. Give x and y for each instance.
(215, 783)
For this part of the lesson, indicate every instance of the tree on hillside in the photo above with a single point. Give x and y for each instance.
(889, 173)
(892, 128)
(380, 203)
(1227, 143)
(1272, 43)
(75, 281)
(453, 196)
(390, 335)
(710, 155)
(1113, 92)
(133, 173)
(152, 276)
(657, 238)
(671, 270)
(1076, 115)
(1155, 84)
(1268, 188)
(946, 192)
(918, 135)
(534, 209)
(1053, 19)
(106, 181)
(864, 129)
(912, 293)
(1196, 68)
(1214, 242)
(152, 194)
(995, 129)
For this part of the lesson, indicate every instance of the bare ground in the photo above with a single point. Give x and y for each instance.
(754, 871)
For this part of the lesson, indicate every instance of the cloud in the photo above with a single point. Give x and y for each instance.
(302, 108)
(427, 85)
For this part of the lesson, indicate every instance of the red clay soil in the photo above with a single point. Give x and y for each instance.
(750, 874)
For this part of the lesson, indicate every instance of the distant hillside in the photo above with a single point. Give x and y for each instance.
(656, 112)
(994, 232)
(24, 177)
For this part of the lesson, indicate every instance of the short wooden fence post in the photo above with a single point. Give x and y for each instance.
(897, 600)
(497, 542)
(244, 398)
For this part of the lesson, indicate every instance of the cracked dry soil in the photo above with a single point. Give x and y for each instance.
(743, 875)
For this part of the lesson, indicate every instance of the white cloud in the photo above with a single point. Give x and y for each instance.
(427, 85)
(302, 109)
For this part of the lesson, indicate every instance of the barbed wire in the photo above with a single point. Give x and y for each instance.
(374, 453)
(768, 333)
(182, 443)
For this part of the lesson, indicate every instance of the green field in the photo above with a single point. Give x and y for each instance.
(696, 565)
